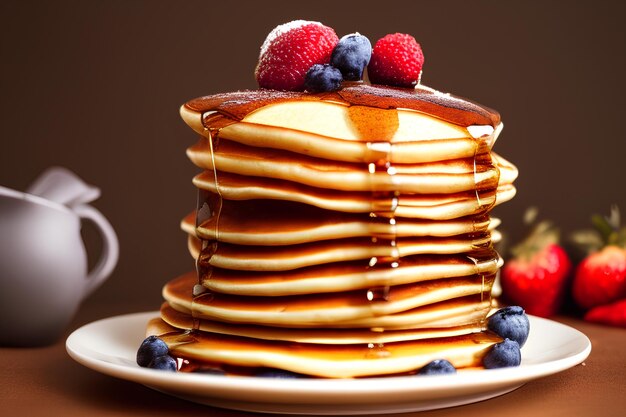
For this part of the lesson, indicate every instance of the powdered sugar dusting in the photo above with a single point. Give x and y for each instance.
(438, 93)
(281, 29)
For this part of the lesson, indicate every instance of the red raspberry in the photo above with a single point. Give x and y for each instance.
(397, 60)
(290, 50)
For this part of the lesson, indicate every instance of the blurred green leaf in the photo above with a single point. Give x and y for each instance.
(589, 240)
(602, 225)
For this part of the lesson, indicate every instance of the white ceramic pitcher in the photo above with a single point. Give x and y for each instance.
(43, 261)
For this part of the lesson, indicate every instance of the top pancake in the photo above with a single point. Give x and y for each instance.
(358, 124)
(422, 99)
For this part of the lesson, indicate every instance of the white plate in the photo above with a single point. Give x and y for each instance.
(110, 345)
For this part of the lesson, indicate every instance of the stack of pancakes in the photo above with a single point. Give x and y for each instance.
(342, 234)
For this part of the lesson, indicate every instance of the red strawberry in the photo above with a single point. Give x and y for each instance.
(397, 60)
(536, 277)
(612, 314)
(290, 50)
(601, 277)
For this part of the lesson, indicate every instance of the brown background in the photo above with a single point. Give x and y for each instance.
(96, 86)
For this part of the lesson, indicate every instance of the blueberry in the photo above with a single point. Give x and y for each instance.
(437, 367)
(151, 348)
(279, 373)
(503, 355)
(164, 363)
(510, 323)
(320, 78)
(351, 55)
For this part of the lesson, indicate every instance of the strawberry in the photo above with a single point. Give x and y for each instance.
(601, 277)
(397, 60)
(613, 314)
(536, 277)
(290, 50)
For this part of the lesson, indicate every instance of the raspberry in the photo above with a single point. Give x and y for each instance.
(397, 60)
(290, 50)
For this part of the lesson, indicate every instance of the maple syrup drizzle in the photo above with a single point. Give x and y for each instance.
(384, 203)
(485, 200)
(209, 208)
(483, 162)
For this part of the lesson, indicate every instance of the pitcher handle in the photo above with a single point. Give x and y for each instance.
(110, 248)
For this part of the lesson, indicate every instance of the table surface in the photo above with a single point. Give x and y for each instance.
(45, 381)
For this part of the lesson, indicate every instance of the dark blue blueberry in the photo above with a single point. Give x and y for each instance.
(150, 348)
(437, 367)
(351, 55)
(510, 323)
(164, 363)
(320, 78)
(279, 373)
(503, 355)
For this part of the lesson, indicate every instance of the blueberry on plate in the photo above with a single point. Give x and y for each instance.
(351, 55)
(503, 355)
(510, 323)
(437, 367)
(279, 373)
(163, 363)
(320, 78)
(152, 347)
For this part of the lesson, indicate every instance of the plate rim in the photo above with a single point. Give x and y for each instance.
(335, 391)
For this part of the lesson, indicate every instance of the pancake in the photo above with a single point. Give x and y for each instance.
(265, 222)
(250, 231)
(430, 206)
(338, 235)
(323, 360)
(321, 336)
(447, 107)
(342, 277)
(326, 310)
(425, 322)
(265, 258)
(239, 159)
(433, 243)
(300, 123)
